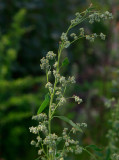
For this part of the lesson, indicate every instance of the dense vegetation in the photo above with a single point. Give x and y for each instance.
(28, 30)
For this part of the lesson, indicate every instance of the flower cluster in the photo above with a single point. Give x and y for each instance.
(49, 86)
(71, 79)
(65, 82)
(81, 34)
(53, 106)
(82, 125)
(98, 16)
(51, 141)
(102, 36)
(77, 19)
(64, 37)
(40, 117)
(92, 37)
(44, 64)
(45, 61)
(71, 145)
(62, 100)
(65, 40)
(81, 31)
(73, 35)
(40, 128)
(55, 64)
(56, 75)
(50, 55)
(77, 99)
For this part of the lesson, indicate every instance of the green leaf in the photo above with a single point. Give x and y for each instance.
(65, 62)
(94, 147)
(44, 104)
(70, 122)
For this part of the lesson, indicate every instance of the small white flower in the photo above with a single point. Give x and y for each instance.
(64, 37)
(50, 55)
(71, 79)
(77, 99)
(33, 142)
(55, 65)
(62, 79)
(48, 85)
(49, 72)
(102, 36)
(44, 64)
(67, 44)
(40, 152)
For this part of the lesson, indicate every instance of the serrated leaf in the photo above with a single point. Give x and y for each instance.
(65, 62)
(94, 147)
(44, 104)
(70, 122)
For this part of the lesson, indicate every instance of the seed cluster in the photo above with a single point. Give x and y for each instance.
(98, 17)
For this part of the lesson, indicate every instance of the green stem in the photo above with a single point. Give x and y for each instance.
(52, 95)
(55, 84)
(47, 75)
(51, 100)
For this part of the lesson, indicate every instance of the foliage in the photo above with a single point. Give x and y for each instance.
(16, 95)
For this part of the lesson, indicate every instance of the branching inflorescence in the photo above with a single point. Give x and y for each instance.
(48, 143)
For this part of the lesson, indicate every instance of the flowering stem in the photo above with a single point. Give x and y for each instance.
(48, 148)
(55, 84)
(52, 96)
(59, 54)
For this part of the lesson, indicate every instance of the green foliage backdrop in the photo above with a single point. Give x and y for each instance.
(30, 28)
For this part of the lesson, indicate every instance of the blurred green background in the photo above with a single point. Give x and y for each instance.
(28, 30)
